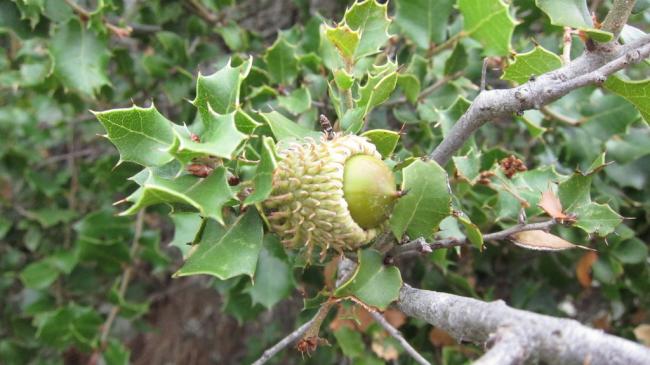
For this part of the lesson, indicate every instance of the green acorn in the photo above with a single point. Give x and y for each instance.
(336, 193)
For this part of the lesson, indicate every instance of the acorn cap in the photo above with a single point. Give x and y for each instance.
(307, 206)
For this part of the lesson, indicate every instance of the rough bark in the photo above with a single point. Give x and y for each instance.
(539, 337)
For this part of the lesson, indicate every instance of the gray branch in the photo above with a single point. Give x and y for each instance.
(591, 68)
(617, 17)
(534, 336)
(421, 246)
(288, 340)
(398, 336)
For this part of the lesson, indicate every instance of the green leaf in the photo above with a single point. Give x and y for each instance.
(141, 135)
(207, 195)
(535, 62)
(283, 128)
(597, 218)
(235, 37)
(245, 123)
(281, 61)
(220, 91)
(39, 275)
(636, 92)
(353, 120)
(573, 13)
(374, 283)
(632, 146)
(384, 140)
(379, 86)
(410, 85)
(370, 19)
(423, 21)
(116, 353)
(219, 137)
(457, 61)
(489, 22)
(344, 39)
(80, 58)
(633, 251)
(186, 226)
(468, 166)
(426, 204)
(343, 79)
(273, 276)
(350, 342)
(68, 325)
(472, 232)
(226, 252)
(263, 180)
(298, 101)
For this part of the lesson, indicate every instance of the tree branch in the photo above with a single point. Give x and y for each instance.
(617, 16)
(420, 245)
(288, 340)
(590, 68)
(504, 348)
(398, 336)
(543, 338)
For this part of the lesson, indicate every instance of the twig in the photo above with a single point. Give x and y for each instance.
(427, 91)
(550, 114)
(398, 336)
(503, 348)
(617, 16)
(416, 246)
(85, 15)
(546, 339)
(447, 44)
(566, 45)
(203, 12)
(483, 74)
(126, 278)
(590, 68)
(289, 339)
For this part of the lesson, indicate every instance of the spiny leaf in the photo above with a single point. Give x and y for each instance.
(141, 135)
(489, 22)
(597, 218)
(370, 19)
(207, 195)
(264, 173)
(298, 101)
(426, 204)
(540, 240)
(472, 231)
(226, 252)
(80, 58)
(379, 86)
(220, 137)
(423, 21)
(186, 225)
(535, 62)
(281, 61)
(220, 91)
(344, 39)
(283, 128)
(273, 275)
(374, 283)
(575, 14)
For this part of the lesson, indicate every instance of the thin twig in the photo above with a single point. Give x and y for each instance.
(288, 340)
(85, 15)
(484, 74)
(126, 278)
(447, 44)
(398, 336)
(427, 91)
(566, 45)
(550, 114)
(417, 246)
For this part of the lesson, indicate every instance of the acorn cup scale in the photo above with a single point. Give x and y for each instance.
(334, 193)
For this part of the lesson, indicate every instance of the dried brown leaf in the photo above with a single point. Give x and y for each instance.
(440, 338)
(583, 268)
(551, 204)
(395, 317)
(540, 240)
(642, 333)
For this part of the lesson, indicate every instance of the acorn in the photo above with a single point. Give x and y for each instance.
(334, 193)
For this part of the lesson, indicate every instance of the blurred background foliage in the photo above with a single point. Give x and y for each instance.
(67, 261)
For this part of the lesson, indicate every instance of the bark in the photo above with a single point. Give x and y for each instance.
(533, 336)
